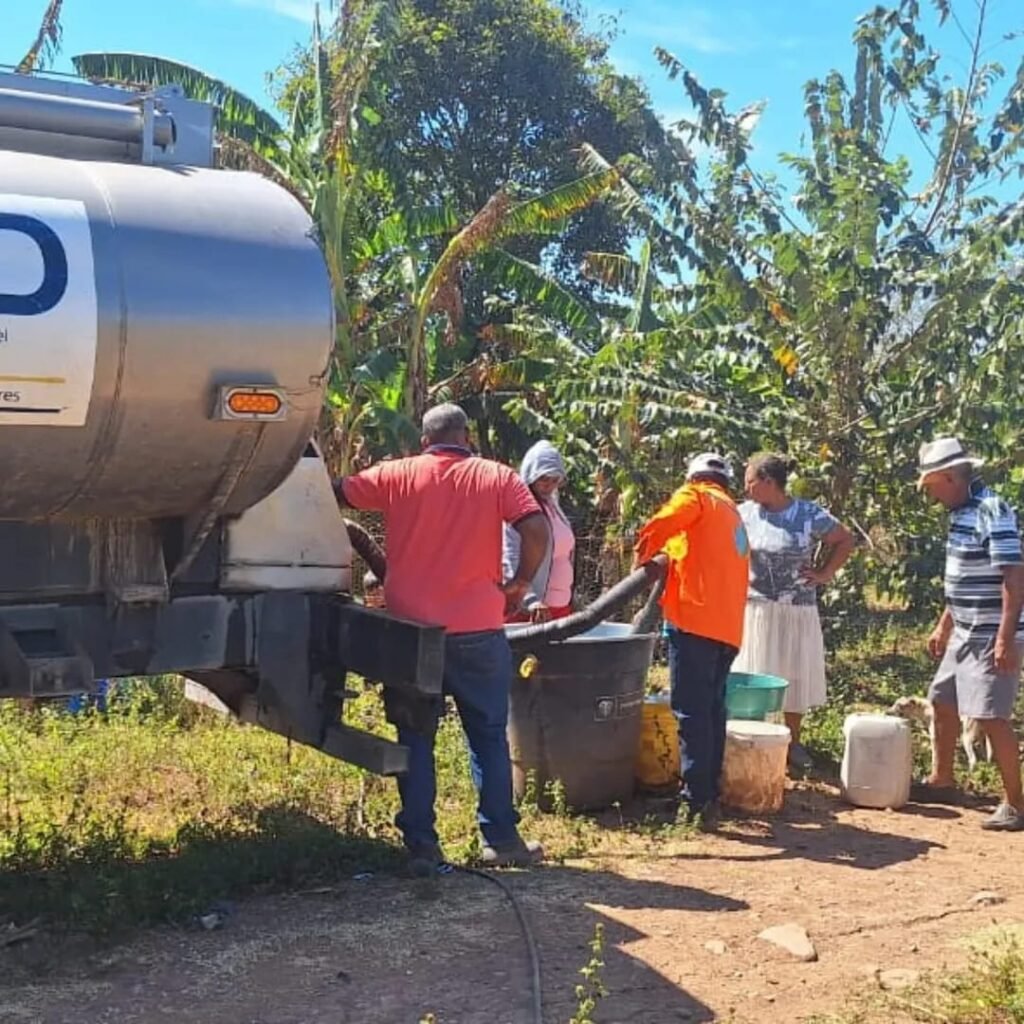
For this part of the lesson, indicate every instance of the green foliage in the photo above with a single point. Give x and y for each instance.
(479, 94)
(991, 991)
(843, 321)
(591, 990)
(629, 412)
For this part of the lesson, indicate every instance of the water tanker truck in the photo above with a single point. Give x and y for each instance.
(166, 329)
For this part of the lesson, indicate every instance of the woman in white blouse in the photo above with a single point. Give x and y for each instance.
(550, 593)
(782, 631)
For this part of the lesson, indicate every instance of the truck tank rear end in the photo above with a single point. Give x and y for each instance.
(165, 335)
(136, 295)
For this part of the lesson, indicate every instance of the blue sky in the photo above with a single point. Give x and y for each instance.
(762, 50)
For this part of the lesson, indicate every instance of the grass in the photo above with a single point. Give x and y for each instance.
(989, 991)
(878, 664)
(155, 809)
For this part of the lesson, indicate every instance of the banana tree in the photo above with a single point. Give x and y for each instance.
(397, 274)
(47, 42)
(865, 315)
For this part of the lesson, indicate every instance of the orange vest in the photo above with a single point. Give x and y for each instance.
(700, 530)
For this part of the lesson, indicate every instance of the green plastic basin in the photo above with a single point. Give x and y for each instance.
(753, 696)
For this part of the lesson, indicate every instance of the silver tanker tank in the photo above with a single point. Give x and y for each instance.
(165, 336)
(132, 296)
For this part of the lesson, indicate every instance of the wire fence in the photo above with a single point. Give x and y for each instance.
(604, 553)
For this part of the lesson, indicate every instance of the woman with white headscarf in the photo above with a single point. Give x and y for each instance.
(550, 593)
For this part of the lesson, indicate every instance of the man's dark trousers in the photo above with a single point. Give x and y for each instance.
(699, 668)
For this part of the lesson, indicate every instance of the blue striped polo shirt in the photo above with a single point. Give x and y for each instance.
(983, 538)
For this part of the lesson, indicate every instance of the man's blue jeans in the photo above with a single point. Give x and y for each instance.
(478, 675)
(698, 669)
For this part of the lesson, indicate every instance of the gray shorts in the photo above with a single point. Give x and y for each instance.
(967, 679)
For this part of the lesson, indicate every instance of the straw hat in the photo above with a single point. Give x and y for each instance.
(941, 454)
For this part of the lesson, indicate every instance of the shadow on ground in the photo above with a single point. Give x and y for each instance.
(346, 938)
(380, 950)
(566, 906)
(808, 828)
(102, 876)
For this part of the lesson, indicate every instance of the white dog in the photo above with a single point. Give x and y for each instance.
(917, 709)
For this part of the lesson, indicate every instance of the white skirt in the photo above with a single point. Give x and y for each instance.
(785, 640)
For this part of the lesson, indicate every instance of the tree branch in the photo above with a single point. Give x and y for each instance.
(954, 147)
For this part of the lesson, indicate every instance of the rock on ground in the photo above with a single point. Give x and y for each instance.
(987, 898)
(898, 978)
(793, 938)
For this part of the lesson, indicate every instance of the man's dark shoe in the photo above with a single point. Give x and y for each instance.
(706, 818)
(517, 854)
(425, 860)
(925, 792)
(798, 758)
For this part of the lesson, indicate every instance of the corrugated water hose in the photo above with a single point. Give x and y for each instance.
(367, 548)
(651, 575)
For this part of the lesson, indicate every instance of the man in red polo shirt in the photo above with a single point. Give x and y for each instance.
(443, 516)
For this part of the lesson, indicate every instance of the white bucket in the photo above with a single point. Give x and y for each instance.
(878, 761)
(754, 769)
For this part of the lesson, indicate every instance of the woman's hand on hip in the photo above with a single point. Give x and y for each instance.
(815, 577)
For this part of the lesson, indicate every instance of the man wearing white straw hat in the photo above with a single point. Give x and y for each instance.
(979, 635)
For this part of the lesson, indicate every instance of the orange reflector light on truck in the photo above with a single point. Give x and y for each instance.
(252, 403)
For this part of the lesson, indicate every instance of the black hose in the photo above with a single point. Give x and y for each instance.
(646, 620)
(532, 637)
(368, 548)
(528, 638)
(531, 944)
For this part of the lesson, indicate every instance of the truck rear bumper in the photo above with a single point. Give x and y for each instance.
(277, 659)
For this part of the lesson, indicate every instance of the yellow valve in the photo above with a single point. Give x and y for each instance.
(529, 666)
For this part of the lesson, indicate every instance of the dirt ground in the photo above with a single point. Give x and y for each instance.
(873, 889)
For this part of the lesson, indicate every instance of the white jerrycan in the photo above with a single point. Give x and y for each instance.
(877, 761)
